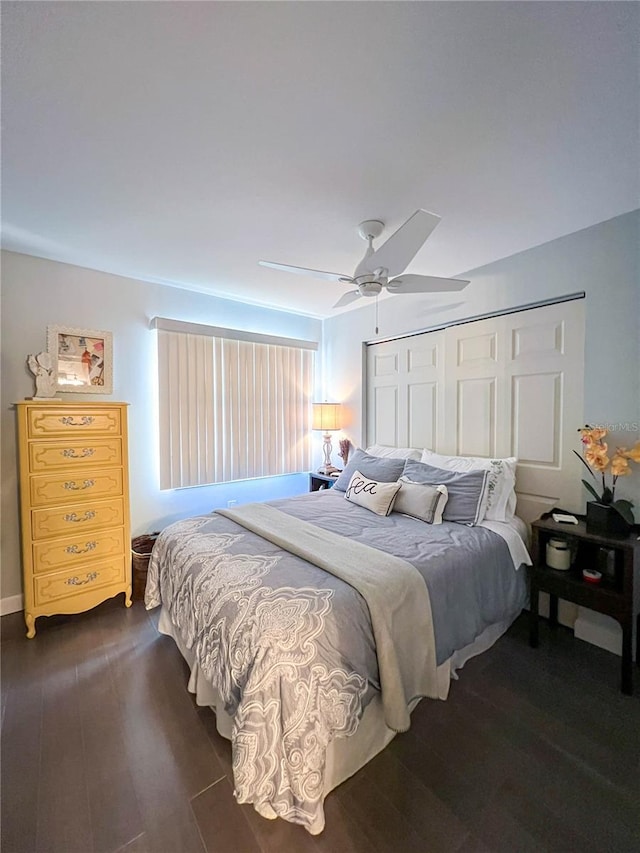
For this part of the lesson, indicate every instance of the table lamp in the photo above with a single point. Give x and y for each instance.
(326, 417)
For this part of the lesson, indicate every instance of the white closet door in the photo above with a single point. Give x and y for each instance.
(504, 386)
(405, 391)
(474, 376)
(514, 388)
(545, 406)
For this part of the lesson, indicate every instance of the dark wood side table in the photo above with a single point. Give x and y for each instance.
(612, 596)
(320, 481)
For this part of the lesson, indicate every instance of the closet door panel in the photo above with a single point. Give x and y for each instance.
(385, 415)
(505, 386)
(405, 390)
(476, 417)
(544, 378)
(422, 414)
(474, 378)
(425, 390)
(382, 393)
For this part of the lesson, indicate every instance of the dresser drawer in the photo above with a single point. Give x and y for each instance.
(49, 455)
(54, 554)
(50, 489)
(66, 420)
(75, 519)
(52, 587)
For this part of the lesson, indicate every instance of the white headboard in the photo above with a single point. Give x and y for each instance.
(505, 386)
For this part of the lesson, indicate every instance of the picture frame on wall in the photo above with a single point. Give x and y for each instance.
(82, 359)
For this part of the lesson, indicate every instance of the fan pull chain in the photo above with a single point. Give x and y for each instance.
(376, 313)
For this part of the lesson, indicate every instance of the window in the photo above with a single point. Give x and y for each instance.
(233, 405)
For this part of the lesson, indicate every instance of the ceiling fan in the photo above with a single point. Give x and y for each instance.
(381, 268)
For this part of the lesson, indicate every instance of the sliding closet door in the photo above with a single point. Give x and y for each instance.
(514, 388)
(504, 386)
(475, 395)
(545, 405)
(405, 391)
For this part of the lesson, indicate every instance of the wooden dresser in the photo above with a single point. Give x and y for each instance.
(74, 499)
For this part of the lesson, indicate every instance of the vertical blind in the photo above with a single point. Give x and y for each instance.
(232, 408)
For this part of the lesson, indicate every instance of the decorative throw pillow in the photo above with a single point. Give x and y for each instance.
(467, 491)
(421, 500)
(388, 452)
(373, 467)
(378, 497)
(501, 495)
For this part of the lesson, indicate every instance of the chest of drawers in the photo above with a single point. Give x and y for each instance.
(74, 501)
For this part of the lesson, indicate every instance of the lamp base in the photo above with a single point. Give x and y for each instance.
(327, 470)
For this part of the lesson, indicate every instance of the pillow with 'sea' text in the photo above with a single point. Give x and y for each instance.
(372, 495)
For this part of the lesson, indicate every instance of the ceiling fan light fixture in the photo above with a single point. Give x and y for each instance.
(370, 288)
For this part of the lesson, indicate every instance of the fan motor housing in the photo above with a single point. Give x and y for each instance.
(370, 288)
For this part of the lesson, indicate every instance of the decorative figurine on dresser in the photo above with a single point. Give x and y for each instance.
(74, 501)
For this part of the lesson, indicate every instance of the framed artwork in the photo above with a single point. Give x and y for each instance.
(82, 360)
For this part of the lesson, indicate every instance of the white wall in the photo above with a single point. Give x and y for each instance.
(37, 293)
(602, 260)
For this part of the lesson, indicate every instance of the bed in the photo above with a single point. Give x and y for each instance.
(312, 672)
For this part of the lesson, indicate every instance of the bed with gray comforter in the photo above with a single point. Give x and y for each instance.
(290, 646)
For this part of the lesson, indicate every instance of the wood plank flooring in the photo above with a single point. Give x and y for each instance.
(104, 750)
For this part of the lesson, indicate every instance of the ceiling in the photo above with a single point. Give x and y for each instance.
(180, 142)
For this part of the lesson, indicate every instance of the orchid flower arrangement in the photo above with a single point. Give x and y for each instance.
(596, 458)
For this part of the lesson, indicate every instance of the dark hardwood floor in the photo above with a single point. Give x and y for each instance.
(104, 750)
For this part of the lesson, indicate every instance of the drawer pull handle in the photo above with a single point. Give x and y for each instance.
(73, 549)
(71, 516)
(75, 581)
(71, 484)
(70, 453)
(85, 420)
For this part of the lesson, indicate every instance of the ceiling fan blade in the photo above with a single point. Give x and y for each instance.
(349, 297)
(398, 251)
(330, 276)
(425, 284)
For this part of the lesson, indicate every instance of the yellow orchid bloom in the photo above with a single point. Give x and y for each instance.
(585, 436)
(620, 466)
(600, 464)
(596, 456)
(634, 453)
(592, 435)
(598, 434)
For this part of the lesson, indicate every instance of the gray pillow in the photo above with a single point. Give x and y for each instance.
(381, 469)
(467, 498)
(421, 500)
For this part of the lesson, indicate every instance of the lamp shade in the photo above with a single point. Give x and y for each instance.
(326, 416)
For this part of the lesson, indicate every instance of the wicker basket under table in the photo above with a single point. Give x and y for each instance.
(141, 548)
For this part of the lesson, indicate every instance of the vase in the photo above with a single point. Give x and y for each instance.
(605, 520)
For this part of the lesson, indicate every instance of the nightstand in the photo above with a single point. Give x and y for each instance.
(320, 481)
(612, 596)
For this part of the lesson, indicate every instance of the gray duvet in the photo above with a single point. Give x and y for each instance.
(289, 647)
(469, 573)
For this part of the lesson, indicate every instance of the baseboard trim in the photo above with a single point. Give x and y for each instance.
(10, 604)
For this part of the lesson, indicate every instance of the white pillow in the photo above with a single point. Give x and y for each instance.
(501, 481)
(378, 497)
(420, 500)
(388, 452)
